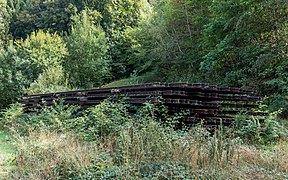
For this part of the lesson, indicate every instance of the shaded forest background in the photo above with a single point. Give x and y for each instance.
(55, 45)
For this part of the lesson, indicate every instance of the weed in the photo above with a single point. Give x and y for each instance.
(256, 130)
(107, 142)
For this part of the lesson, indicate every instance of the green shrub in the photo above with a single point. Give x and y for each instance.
(51, 80)
(260, 130)
(101, 120)
(13, 78)
(277, 101)
(41, 51)
(11, 116)
(87, 63)
(153, 170)
(53, 117)
(105, 119)
(122, 145)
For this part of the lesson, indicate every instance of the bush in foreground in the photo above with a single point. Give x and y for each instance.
(106, 142)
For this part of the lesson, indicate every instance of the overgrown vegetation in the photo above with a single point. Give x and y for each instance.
(232, 43)
(255, 130)
(7, 151)
(107, 142)
(48, 46)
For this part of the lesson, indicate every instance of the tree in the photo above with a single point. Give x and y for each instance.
(12, 81)
(28, 16)
(3, 23)
(120, 18)
(51, 80)
(171, 39)
(246, 45)
(40, 51)
(38, 57)
(87, 64)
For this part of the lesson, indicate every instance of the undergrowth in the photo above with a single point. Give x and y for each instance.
(108, 142)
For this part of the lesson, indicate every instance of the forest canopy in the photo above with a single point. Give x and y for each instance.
(52, 45)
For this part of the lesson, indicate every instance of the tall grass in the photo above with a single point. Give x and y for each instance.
(106, 142)
(149, 152)
(143, 148)
(6, 153)
(49, 155)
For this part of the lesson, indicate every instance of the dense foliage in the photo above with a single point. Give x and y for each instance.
(12, 79)
(28, 16)
(87, 66)
(235, 43)
(106, 142)
(3, 23)
(41, 51)
(58, 45)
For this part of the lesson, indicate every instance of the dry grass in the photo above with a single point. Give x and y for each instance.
(41, 153)
(266, 162)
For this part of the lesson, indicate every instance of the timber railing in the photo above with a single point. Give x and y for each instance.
(209, 104)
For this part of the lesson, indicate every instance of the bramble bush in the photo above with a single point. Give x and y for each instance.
(260, 130)
(107, 142)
